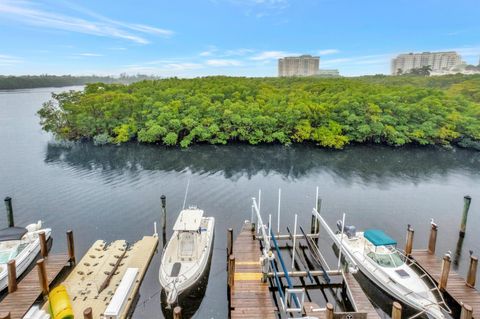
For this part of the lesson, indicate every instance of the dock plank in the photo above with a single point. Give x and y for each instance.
(456, 286)
(28, 290)
(249, 296)
(359, 299)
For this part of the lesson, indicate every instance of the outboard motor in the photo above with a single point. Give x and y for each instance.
(350, 231)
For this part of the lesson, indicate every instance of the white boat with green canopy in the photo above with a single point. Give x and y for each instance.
(376, 256)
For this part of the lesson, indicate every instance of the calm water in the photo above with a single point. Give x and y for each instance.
(114, 192)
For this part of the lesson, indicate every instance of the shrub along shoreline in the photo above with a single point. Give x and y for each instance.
(218, 110)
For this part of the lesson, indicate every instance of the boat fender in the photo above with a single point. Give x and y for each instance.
(60, 306)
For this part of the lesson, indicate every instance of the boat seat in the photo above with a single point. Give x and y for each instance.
(176, 269)
(186, 245)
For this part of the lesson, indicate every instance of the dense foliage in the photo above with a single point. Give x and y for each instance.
(37, 81)
(329, 112)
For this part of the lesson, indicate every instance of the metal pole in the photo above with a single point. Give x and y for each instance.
(317, 208)
(294, 241)
(8, 205)
(278, 212)
(466, 206)
(269, 225)
(341, 242)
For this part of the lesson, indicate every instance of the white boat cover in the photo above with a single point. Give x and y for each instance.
(188, 220)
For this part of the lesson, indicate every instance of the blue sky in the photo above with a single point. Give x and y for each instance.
(229, 37)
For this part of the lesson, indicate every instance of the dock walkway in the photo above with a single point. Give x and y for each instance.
(28, 290)
(358, 297)
(456, 286)
(250, 298)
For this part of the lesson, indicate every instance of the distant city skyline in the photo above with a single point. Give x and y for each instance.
(227, 37)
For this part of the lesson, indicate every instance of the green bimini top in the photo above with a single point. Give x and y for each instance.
(378, 238)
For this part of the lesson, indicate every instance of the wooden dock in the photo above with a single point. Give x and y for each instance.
(359, 299)
(102, 265)
(29, 290)
(456, 286)
(249, 296)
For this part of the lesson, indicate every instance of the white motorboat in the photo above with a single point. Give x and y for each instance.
(20, 244)
(187, 254)
(376, 256)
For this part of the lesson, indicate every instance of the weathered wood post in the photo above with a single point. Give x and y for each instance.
(163, 199)
(42, 277)
(177, 312)
(409, 244)
(71, 247)
(231, 271)
(445, 271)
(12, 276)
(467, 312)
(432, 242)
(5, 315)
(329, 311)
(8, 205)
(466, 206)
(315, 223)
(229, 242)
(472, 271)
(396, 310)
(43, 244)
(87, 313)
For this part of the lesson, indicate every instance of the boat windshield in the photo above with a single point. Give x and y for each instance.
(391, 259)
(5, 256)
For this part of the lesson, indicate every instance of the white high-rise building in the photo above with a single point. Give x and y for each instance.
(438, 61)
(304, 65)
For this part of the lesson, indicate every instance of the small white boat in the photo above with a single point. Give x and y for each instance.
(21, 244)
(376, 256)
(187, 254)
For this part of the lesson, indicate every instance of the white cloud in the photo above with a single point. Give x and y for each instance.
(223, 62)
(30, 13)
(271, 55)
(8, 60)
(328, 52)
(238, 52)
(90, 54)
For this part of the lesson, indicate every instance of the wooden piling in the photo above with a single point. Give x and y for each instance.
(163, 199)
(329, 311)
(444, 273)
(396, 310)
(231, 271)
(177, 312)
(8, 206)
(12, 276)
(432, 242)
(5, 315)
(409, 244)
(229, 242)
(472, 272)
(71, 247)
(467, 312)
(87, 313)
(42, 277)
(466, 206)
(43, 244)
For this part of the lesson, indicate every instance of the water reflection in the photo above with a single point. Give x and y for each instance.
(370, 164)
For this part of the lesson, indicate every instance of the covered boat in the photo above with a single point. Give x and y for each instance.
(20, 244)
(186, 255)
(376, 256)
